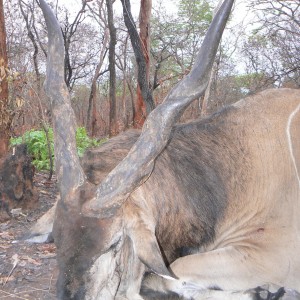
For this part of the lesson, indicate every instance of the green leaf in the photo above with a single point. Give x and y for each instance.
(37, 146)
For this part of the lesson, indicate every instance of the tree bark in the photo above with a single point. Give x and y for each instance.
(140, 45)
(112, 69)
(144, 20)
(5, 116)
(16, 185)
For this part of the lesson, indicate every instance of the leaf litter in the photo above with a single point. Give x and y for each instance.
(28, 271)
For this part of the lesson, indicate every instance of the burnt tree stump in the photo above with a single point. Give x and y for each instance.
(16, 182)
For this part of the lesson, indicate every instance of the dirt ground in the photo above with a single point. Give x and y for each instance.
(28, 271)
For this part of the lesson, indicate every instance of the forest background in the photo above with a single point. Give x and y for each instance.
(118, 72)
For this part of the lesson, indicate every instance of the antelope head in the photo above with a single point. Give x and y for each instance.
(103, 242)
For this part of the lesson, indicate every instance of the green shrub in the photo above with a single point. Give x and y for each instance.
(83, 141)
(37, 146)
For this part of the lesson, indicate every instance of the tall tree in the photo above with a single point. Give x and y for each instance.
(99, 13)
(140, 45)
(273, 47)
(28, 13)
(144, 22)
(112, 68)
(69, 29)
(16, 184)
(127, 100)
(92, 108)
(30, 26)
(5, 116)
(176, 39)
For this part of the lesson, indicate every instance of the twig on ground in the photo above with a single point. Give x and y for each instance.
(50, 283)
(11, 295)
(15, 260)
(30, 290)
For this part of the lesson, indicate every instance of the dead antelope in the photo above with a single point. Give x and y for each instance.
(209, 208)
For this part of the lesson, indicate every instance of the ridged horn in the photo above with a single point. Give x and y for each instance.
(139, 162)
(68, 170)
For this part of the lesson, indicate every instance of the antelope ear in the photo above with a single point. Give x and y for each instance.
(146, 247)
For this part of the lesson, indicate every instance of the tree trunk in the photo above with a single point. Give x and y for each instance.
(5, 116)
(16, 185)
(144, 20)
(91, 120)
(35, 47)
(140, 45)
(68, 32)
(30, 25)
(112, 69)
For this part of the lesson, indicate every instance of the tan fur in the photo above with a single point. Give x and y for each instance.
(258, 241)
